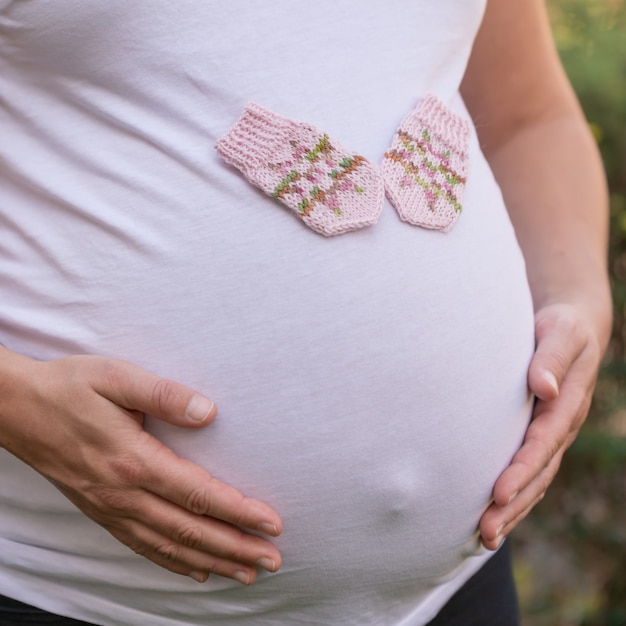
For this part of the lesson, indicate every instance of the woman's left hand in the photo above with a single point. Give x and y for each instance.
(562, 375)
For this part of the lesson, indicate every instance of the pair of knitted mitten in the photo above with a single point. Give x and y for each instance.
(333, 190)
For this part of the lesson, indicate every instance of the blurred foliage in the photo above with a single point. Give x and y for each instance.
(571, 553)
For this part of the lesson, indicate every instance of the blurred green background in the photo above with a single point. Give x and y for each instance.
(571, 552)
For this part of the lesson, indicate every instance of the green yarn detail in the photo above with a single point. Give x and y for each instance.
(285, 182)
(450, 178)
(323, 145)
(346, 163)
(451, 200)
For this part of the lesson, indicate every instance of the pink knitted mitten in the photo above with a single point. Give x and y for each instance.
(426, 168)
(330, 189)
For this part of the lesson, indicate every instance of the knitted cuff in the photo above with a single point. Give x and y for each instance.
(255, 138)
(442, 123)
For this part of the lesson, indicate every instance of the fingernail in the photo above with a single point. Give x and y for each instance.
(267, 564)
(268, 529)
(199, 577)
(242, 577)
(550, 378)
(513, 497)
(198, 408)
(499, 533)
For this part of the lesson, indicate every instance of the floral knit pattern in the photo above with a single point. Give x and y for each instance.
(332, 190)
(426, 168)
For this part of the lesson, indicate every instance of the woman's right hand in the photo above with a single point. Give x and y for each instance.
(78, 422)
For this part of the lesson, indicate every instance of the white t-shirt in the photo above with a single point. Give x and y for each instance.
(371, 386)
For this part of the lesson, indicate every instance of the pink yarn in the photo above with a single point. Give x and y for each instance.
(426, 168)
(332, 190)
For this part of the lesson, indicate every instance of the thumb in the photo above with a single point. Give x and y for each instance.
(542, 382)
(557, 348)
(133, 388)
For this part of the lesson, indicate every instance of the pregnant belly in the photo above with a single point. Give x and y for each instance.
(371, 387)
(375, 422)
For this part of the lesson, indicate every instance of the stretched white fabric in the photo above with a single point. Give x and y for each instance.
(371, 386)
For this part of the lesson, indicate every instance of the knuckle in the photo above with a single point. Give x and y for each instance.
(128, 471)
(111, 373)
(240, 513)
(113, 500)
(137, 547)
(236, 551)
(199, 501)
(546, 450)
(558, 361)
(165, 394)
(565, 320)
(190, 534)
(168, 552)
(554, 359)
(544, 483)
(553, 449)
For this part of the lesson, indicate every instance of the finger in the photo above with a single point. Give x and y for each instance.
(553, 428)
(196, 544)
(497, 518)
(158, 470)
(140, 518)
(205, 535)
(498, 521)
(195, 490)
(181, 559)
(134, 388)
(559, 344)
(545, 437)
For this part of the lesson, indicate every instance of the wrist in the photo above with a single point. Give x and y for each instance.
(16, 371)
